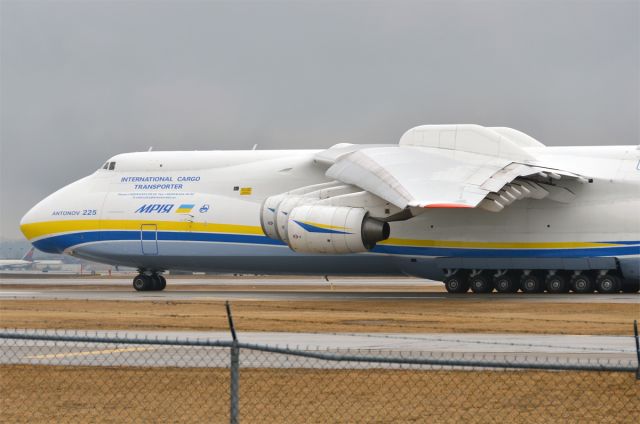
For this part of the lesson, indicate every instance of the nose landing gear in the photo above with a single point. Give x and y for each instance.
(149, 282)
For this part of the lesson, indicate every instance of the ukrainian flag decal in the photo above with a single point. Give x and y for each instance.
(185, 208)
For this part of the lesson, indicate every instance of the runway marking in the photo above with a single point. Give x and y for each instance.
(91, 352)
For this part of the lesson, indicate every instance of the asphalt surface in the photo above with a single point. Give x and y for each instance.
(513, 348)
(333, 290)
(178, 281)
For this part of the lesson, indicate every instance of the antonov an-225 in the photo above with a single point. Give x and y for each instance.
(479, 208)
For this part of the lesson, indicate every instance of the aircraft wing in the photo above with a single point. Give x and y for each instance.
(469, 175)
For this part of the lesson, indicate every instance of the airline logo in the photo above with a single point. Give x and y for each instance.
(155, 208)
(185, 208)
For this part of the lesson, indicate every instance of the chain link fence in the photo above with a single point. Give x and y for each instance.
(65, 377)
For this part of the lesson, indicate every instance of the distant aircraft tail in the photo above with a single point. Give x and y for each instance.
(29, 255)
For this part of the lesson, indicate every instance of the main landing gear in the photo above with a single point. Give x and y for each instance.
(537, 281)
(149, 282)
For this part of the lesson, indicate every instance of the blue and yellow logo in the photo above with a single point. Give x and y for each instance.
(185, 208)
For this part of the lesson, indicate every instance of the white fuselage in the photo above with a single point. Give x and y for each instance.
(14, 264)
(200, 211)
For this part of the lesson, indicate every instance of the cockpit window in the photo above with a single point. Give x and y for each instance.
(112, 166)
(106, 165)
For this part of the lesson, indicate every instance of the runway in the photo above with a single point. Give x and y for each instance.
(257, 289)
(130, 295)
(179, 281)
(619, 350)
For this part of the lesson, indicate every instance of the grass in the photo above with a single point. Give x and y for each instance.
(91, 394)
(397, 316)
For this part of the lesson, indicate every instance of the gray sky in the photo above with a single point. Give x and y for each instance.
(83, 80)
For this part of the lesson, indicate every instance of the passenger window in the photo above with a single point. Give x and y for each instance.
(112, 166)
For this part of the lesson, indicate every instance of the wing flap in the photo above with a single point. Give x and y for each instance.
(450, 166)
(409, 176)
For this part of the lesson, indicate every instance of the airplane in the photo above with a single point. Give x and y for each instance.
(27, 261)
(479, 208)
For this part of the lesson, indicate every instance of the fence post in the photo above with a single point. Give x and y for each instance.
(235, 370)
(635, 333)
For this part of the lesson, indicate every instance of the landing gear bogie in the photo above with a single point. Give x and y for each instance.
(152, 282)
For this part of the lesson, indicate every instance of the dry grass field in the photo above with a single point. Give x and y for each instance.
(30, 393)
(87, 394)
(398, 316)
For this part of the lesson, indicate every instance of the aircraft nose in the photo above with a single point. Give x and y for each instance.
(33, 225)
(57, 222)
(40, 224)
(27, 219)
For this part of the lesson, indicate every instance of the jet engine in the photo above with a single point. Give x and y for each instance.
(336, 230)
(307, 221)
(275, 211)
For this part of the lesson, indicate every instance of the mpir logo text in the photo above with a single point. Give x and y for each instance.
(155, 207)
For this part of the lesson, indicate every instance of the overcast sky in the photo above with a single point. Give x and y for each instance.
(83, 80)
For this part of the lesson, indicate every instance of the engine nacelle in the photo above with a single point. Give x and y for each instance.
(335, 230)
(275, 210)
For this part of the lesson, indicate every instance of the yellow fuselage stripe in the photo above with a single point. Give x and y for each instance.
(40, 229)
(50, 228)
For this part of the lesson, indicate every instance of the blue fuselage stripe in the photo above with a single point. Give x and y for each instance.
(58, 243)
(508, 253)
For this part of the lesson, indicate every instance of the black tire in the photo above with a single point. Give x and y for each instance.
(582, 283)
(630, 286)
(162, 283)
(607, 284)
(142, 283)
(154, 283)
(556, 283)
(531, 284)
(506, 283)
(480, 284)
(456, 283)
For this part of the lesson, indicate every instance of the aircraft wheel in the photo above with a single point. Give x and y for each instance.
(506, 283)
(480, 284)
(582, 283)
(142, 283)
(556, 283)
(161, 282)
(607, 284)
(630, 286)
(155, 282)
(531, 283)
(456, 283)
